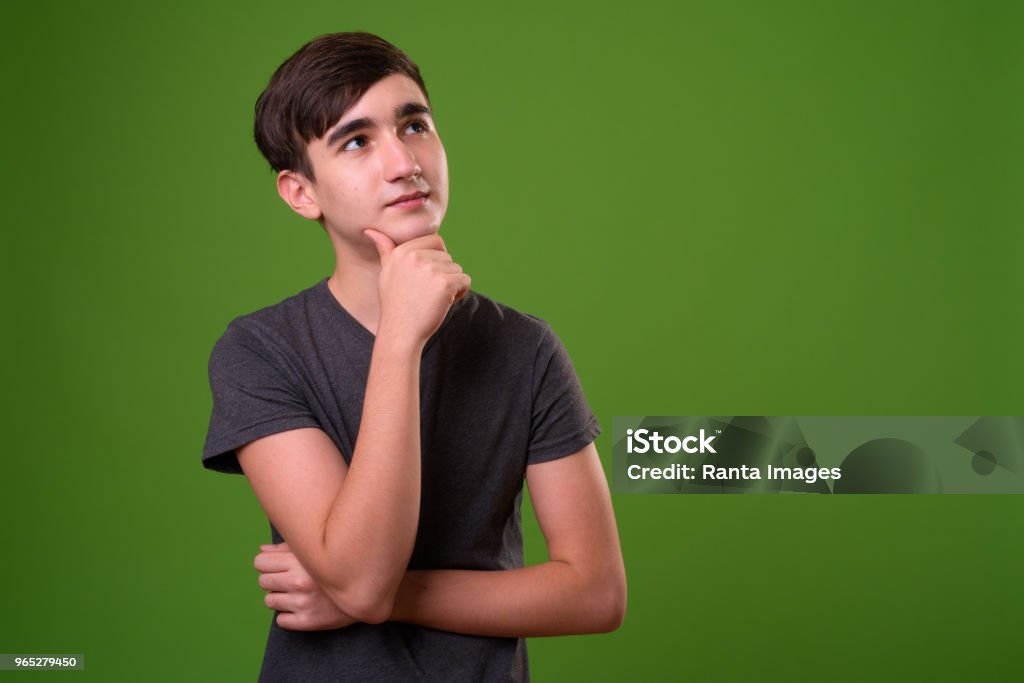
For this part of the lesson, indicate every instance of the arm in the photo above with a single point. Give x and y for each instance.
(353, 527)
(581, 589)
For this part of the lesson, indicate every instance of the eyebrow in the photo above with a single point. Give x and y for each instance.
(401, 111)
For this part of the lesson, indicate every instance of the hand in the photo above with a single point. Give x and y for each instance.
(303, 606)
(418, 283)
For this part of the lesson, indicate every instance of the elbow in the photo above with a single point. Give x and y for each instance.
(366, 604)
(610, 606)
(366, 594)
(373, 610)
(612, 615)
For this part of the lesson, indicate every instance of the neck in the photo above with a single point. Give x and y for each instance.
(354, 285)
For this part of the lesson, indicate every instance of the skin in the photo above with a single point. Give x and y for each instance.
(350, 529)
(359, 175)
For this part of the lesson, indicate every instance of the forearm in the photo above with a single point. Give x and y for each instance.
(353, 525)
(370, 531)
(582, 590)
(547, 599)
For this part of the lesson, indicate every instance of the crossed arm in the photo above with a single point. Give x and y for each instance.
(581, 589)
(352, 528)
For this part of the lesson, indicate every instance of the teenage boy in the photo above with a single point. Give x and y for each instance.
(386, 416)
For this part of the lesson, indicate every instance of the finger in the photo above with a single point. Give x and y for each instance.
(275, 547)
(463, 283)
(273, 561)
(431, 241)
(292, 622)
(280, 602)
(385, 245)
(448, 267)
(436, 255)
(276, 582)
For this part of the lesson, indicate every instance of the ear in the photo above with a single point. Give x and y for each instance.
(298, 192)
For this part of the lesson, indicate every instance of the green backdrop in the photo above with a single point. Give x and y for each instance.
(722, 208)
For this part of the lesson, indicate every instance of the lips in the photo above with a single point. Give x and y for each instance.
(411, 197)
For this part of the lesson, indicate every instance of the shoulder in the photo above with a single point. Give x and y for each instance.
(269, 332)
(278, 321)
(494, 320)
(283, 317)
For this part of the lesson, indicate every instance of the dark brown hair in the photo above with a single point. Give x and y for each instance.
(314, 87)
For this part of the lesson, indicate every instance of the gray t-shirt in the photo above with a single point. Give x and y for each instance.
(497, 393)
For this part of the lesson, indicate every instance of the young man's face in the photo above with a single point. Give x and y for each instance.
(382, 166)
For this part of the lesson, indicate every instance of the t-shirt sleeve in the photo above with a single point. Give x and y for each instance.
(561, 422)
(253, 397)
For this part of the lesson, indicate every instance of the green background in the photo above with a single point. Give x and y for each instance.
(721, 207)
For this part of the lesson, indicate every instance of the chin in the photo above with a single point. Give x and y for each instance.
(406, 233)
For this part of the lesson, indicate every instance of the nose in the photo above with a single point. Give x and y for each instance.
(398, 160)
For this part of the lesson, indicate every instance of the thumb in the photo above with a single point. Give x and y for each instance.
(385, 245)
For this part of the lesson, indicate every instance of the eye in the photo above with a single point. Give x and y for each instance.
(356, 143)
(417, 126)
